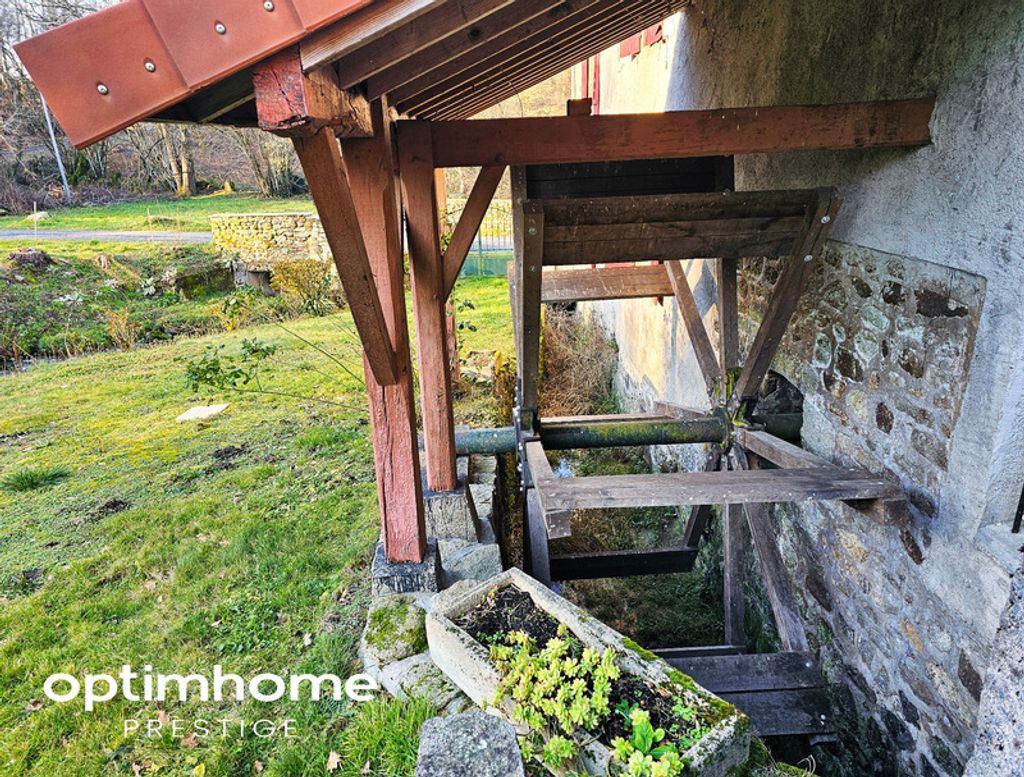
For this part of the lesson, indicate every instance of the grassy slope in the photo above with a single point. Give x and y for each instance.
(213, 562)
(189, 215)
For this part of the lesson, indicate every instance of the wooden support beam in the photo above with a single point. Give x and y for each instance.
(529, 279)
(733, 544)
(773, 570)
(622, 563)
(673, 410)
(700, 515)
(419, 186)
(535, 540)
(699, 339)
(292, 103)
(675, 655)
(687, 488)
(372, 174)
(728, 315)
(788, 456)
(786, 295)
(469, 223)
(887, 123)
(557, 522)
(321, 162)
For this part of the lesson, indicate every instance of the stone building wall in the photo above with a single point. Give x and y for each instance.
(262, 239)
(907, 344)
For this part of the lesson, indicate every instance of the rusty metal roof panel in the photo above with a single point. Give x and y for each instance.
(104, 72)
(126, 63)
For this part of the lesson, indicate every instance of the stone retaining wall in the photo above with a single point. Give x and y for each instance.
(263, 239)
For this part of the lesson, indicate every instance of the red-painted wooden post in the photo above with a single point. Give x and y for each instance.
(429, 297)
(371, 171)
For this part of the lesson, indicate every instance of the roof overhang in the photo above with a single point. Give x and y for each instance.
(191, 60)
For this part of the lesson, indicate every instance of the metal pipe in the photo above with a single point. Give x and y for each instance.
(596, 434)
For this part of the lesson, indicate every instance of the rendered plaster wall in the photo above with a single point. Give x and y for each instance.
(263, 239)
(907, 344)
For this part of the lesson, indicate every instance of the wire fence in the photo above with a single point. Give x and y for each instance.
(491, 250)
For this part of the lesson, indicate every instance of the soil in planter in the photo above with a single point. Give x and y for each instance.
(511, 609)
(505, 610)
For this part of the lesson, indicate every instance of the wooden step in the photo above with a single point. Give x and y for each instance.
(622, 563)
(783, 693)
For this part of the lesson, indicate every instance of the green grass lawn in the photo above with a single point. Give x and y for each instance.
(172, 215)
(126, 537)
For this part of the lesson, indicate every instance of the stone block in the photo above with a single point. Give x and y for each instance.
(405, 576)
(472, 562)
(394, 631)
(471, 743)
(451, 513)
(417, 677)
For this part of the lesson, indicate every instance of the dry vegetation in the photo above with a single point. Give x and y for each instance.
(579, 365)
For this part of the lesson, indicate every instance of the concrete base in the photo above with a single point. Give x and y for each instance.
(451, 513)
(404, 577)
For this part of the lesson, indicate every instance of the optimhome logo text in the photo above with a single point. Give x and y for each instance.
(146, 686)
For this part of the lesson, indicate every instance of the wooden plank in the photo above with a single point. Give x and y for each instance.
(293, 104)
(529, 279)
(699, 339)
(785, 713)
(753, 672)
(772, 228)
(513, 44)
(535, 552)
(485, 35)
(623, 179)
(360, 29)
(622, 563)
(594, 211)
(733, 546)
(674, 655)
(419, 185)
(786, 295)
(451, 16)
(777, 451)
(320, 157)
(548, 140)
(557, 522)
(660, 249)
(532, 60)
(605, 283)
(469, 223)
(688, 488)
(892, 509)
(371, 170)
(728, 315)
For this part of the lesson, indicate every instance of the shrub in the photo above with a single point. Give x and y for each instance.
(122, 328)
(307, 285)
(34, 478)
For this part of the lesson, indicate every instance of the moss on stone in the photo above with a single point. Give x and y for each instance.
(391, 623)
(643, 652)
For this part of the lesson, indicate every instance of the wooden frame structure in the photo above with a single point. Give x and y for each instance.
(320, 71)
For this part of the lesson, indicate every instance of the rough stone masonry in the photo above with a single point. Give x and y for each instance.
(906, 346)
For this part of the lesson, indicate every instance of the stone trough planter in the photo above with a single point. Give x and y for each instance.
(468, 664)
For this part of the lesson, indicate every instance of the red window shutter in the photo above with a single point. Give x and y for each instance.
(630, 47)
(653, 34)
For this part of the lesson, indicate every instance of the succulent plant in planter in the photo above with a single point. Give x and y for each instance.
(583, 698)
